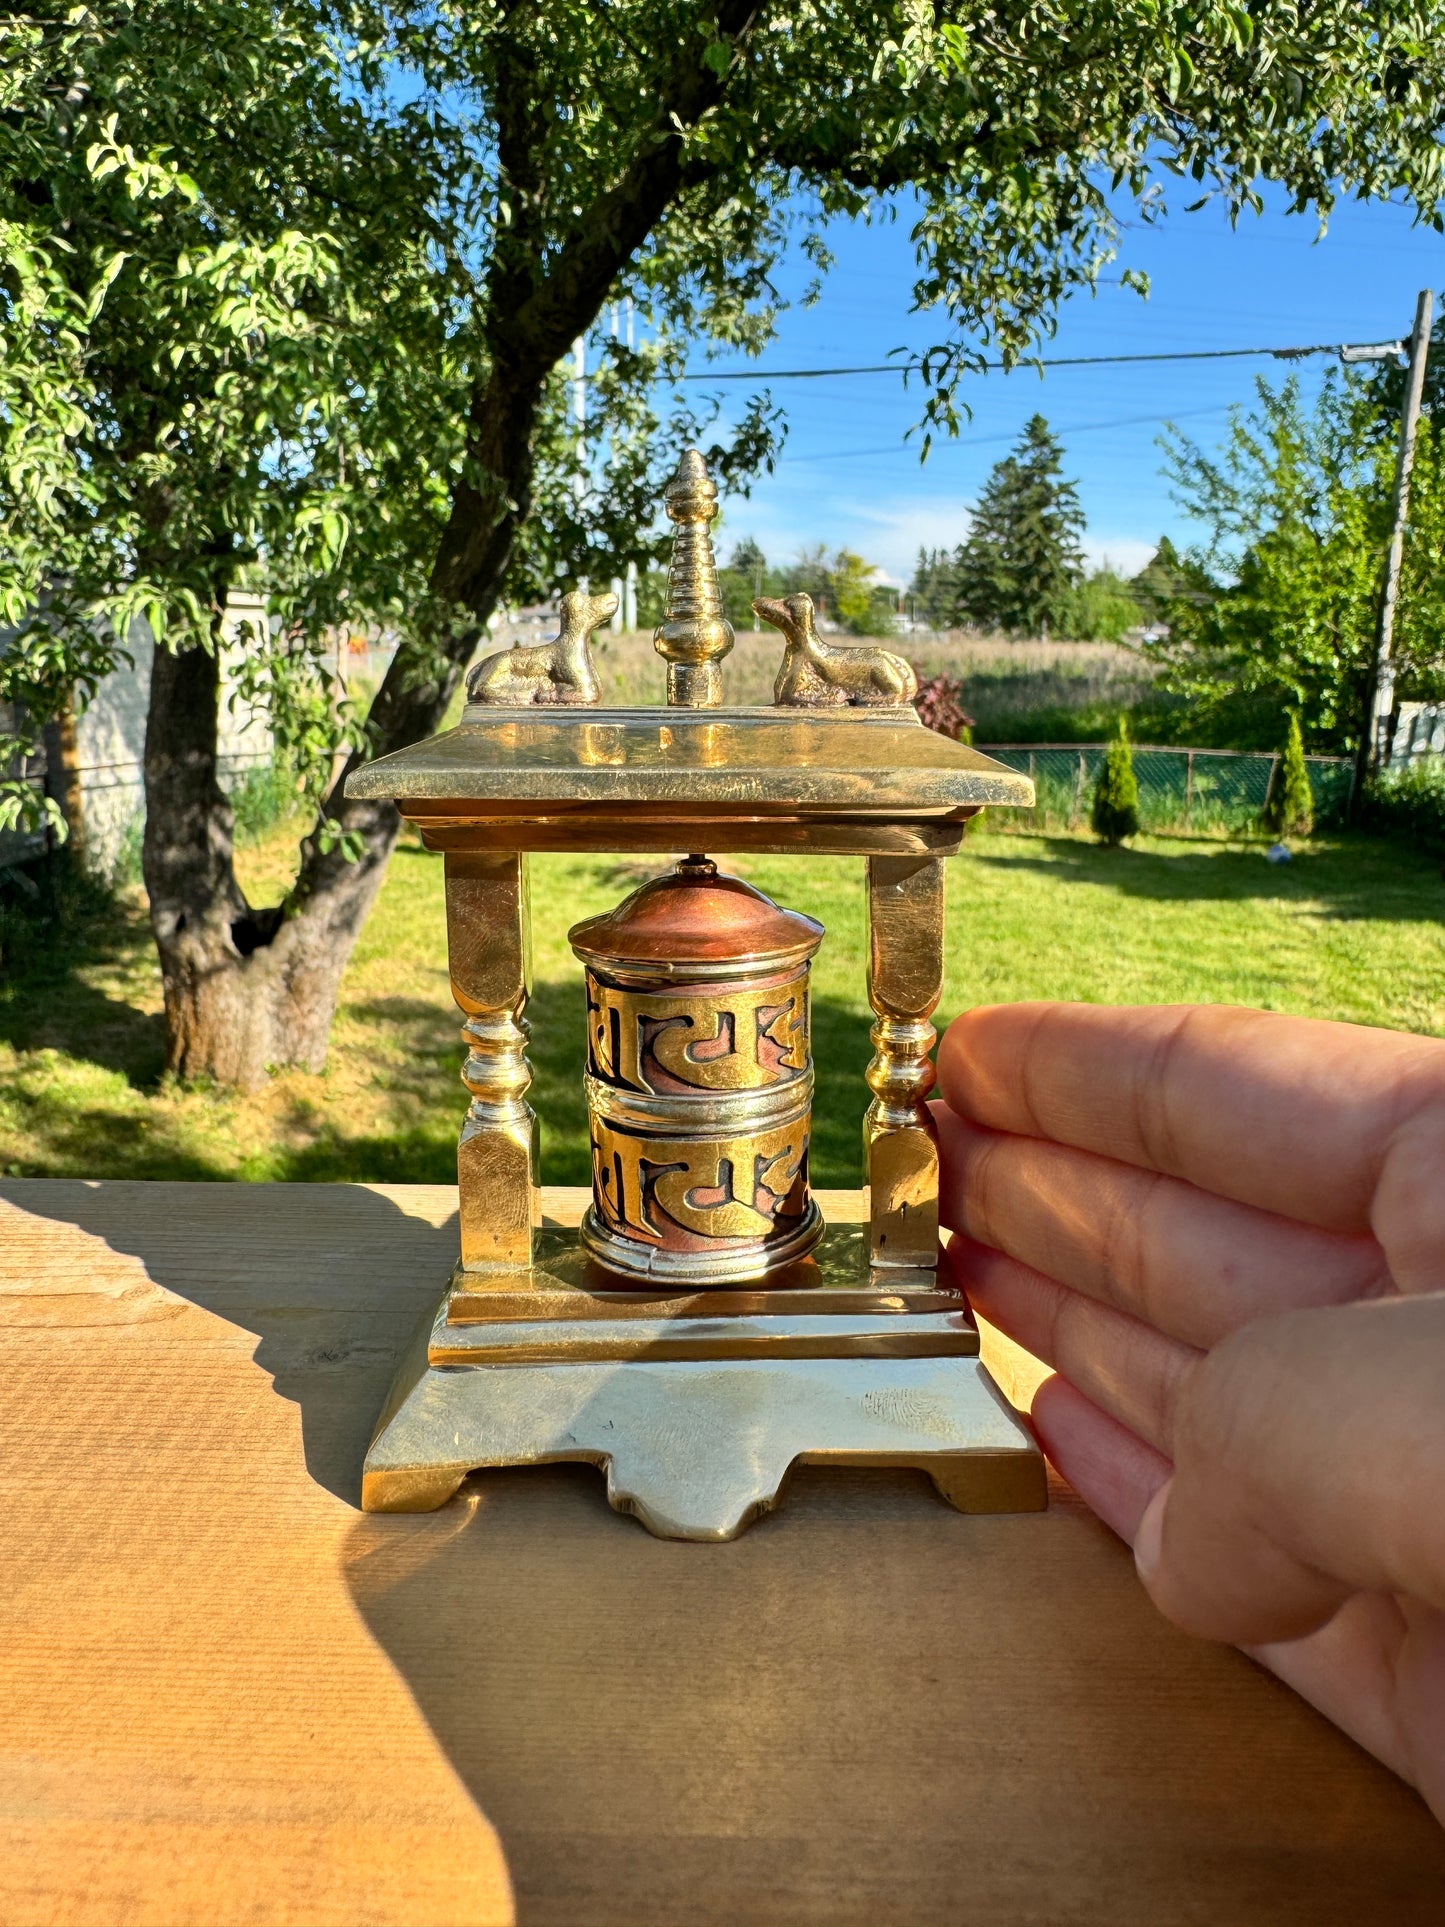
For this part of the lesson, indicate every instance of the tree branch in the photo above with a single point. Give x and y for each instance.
(534, 337)
(532, 321)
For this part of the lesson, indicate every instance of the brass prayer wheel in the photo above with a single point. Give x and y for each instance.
(699, 1081)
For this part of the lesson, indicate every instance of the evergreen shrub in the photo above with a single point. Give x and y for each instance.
(1116, 794)
(1289, 809)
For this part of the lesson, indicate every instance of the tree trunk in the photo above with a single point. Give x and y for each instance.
(1360, 772)
(248, 991)
(273, 977)
(245, 990)
(62, 777)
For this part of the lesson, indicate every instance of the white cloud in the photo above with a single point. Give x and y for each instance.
(1125, 554)
(900, 527)
(889, 533)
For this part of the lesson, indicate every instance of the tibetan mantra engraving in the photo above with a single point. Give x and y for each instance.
(699, 1096)
(740, 1039)
(652, 1189)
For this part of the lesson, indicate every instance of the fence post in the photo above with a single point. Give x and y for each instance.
(1077, 813)
(1189, 791)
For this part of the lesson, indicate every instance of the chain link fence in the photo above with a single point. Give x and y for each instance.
(1183, 792)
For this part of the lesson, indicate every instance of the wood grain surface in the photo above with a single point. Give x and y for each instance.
(229, 1698)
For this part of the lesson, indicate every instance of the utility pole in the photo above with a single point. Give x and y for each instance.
(579, 410)
(619, 614)
(1374, 745)
(629, 591)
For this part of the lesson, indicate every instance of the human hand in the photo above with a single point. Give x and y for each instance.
(1225, 1231)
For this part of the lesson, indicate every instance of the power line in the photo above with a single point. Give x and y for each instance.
(984, 441)
(1346, 350)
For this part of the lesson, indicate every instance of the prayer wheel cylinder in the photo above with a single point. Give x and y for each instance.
(699, 1081)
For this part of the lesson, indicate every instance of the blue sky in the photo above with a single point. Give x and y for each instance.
(847, 477)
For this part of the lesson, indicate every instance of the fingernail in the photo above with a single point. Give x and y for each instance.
(1149, 1539)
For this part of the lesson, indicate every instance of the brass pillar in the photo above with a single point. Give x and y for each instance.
(905, 982)
(489, 957)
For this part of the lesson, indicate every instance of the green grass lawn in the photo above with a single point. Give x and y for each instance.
(1354, 928)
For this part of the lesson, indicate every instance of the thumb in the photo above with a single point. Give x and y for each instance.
(1307, 1453)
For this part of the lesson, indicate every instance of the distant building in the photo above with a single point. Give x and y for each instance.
(110, 745)
(1419, 731)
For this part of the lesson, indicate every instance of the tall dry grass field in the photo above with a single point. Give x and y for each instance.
(1009, 687)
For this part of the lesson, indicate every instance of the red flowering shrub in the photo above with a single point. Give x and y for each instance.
(939, 703)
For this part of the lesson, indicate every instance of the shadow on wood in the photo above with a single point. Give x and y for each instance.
(347, 1274)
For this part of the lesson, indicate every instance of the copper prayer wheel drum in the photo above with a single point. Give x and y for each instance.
(699, 1081)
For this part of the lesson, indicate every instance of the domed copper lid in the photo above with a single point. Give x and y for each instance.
(696, 917)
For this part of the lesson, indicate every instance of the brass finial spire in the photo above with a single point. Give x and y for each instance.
(694, 635)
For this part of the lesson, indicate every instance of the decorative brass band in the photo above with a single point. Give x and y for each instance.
(835, 1279)
(473, 826)
(736, 1335)
(746, 1036)
(691, 1192)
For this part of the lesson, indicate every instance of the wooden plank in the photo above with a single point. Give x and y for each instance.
(230, 1697)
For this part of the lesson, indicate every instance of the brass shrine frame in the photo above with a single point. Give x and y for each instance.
(697, 1394)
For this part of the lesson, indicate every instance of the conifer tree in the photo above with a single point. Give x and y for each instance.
(1116, 794)
(1022, 557)
(1159, 582)
(1289, 809)
(935, 591)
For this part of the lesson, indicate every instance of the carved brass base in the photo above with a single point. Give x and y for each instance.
(697, 1404)
(697, 1449)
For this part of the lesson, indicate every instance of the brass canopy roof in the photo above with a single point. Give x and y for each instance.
(856, 761)
(696, 915)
